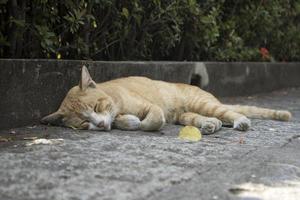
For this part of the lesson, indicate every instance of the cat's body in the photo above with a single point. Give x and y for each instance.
(140, 103)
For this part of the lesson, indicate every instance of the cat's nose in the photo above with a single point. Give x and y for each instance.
(104, 125)
(100, 124)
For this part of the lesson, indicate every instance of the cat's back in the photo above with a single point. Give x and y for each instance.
(153, 90)
(139, 83)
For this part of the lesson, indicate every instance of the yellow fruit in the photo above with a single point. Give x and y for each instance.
(190, 133)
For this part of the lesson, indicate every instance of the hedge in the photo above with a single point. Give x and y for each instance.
(192, 30)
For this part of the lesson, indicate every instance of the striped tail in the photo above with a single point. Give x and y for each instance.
(261, 113)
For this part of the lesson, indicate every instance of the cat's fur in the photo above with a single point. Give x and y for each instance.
(140, 103)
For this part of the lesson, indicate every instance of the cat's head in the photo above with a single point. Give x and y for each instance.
(84, 107)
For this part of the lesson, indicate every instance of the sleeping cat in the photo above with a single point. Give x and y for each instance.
(139, 103)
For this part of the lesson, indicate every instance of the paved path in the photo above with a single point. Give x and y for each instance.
(137, 165)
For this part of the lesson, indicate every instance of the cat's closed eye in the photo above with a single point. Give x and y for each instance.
(95, 108)
(84, 125)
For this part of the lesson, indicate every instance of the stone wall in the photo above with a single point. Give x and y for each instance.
(31, 89)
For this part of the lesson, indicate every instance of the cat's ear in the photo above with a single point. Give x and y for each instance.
(86, 80)
(53, 119)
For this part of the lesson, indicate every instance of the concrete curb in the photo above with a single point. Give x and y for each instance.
(33, 88)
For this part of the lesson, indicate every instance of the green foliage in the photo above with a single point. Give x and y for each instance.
(213, 30)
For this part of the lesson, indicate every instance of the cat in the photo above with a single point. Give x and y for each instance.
(139, 103)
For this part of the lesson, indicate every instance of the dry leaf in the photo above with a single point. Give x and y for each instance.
(45, 141)
(3, 139)
(190, 133)
(30, 138)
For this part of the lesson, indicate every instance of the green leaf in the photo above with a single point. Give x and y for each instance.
(3, 40)
(19, 23)
(206, 20)
(125, 12)
(3, 1)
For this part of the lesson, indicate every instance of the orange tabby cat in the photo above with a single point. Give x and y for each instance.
(140, 103)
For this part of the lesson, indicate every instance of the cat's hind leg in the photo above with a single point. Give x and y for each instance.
(222, 112)
(207, 125)
(127, 122)
(261, 113)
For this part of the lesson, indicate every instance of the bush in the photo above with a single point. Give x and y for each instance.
(205, 30)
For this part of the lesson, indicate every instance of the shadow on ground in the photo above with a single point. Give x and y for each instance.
(139, 165)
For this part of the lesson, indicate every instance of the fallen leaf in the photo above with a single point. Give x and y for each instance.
(3, 139)
(190, 133)
(241, 140)
(31, 127)
(46, 141)
(30, 138)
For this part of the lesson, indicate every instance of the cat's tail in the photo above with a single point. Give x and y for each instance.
(261, 113)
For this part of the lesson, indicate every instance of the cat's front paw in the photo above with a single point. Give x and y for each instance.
(127, 122)
(242, 124)
(210, 125)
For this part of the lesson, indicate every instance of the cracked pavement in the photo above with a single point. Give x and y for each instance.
(140, 165)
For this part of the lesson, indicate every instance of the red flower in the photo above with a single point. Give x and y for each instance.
(264, 53)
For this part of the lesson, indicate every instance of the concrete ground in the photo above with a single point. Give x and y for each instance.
(262, 163)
